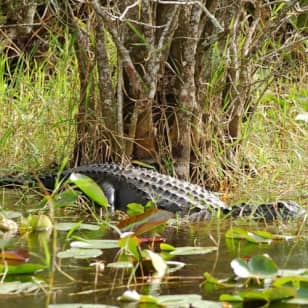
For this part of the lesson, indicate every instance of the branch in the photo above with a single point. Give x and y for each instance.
(157, 57)
(124, 53)
(213, 19)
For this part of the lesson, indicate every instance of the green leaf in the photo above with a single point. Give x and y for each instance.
(267, 296)
(230, 298)
(130, 244)
(90, 188)
(191, 250)
(211, 283)
(257, 267)
(25, 268)
(158, 263)
(79, 253)
(166, 247)
(66, 198)
(135, 209)
(253, 237)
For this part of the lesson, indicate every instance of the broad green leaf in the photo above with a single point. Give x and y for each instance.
(79, 253)
(290, 281)
(211, 283)
(166, 247)
(25, 268)
(253, 237)
(90, 188)
(66, 198)
(257, 296)
(257, 266)
(269, 295)
(302, 290)
(191, 250)
(230, 298)
(66, 226)
(298, 282)
(95, 244)
(263, 266)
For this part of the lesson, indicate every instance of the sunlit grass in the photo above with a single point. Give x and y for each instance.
(276, 147)
(37, 107)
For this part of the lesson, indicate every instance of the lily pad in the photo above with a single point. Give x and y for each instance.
(178, 300)
(253, 237)
(121, 265)
(17, 287)
(257, 296)
(79, 253)
(66, 226)
(95, 244)
(191, 250)
(257, 267)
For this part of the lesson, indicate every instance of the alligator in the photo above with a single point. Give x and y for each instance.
(124, 185)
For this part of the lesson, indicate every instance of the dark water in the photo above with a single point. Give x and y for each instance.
(75, 282)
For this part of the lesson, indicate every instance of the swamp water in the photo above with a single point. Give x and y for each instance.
(77, 281)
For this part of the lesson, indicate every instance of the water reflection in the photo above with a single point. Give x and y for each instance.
(75, 281)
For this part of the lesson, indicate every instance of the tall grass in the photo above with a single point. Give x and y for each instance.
(39, 100)
(276, 147)
(37, 106)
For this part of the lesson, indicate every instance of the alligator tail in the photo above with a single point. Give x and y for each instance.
(47, 181)
(15, 182)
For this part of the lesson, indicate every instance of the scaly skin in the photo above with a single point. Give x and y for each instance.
(123, 185)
